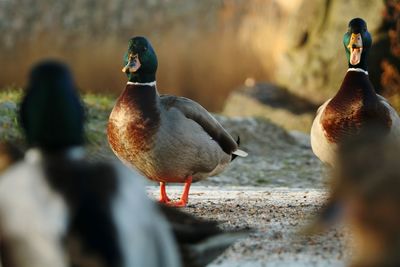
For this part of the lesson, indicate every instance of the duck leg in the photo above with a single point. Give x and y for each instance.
(185, 195)
(163, 194)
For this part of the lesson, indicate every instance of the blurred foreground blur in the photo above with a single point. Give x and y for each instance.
(365, 193)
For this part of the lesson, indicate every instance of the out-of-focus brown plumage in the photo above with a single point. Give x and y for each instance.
(366, 187)
(368, 182)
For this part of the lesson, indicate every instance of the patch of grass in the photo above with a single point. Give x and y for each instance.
(10, 94)
(9, 124)
(98, 108)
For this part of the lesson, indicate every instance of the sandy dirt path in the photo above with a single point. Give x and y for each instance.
(276, 215)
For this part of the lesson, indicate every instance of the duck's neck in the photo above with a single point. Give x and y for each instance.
(356, 91)
(152, 84)
(141, 77)
(362, 65)
(142, 97)
(357, 70)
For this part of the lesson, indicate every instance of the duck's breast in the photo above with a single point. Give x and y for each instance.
(133, 123)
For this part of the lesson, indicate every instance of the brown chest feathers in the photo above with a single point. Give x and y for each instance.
(133, 121)
(354, 109)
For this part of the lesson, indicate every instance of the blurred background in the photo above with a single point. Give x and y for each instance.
(272, 58)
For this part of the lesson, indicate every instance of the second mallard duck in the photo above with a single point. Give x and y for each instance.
(356, 107)
(167, 138)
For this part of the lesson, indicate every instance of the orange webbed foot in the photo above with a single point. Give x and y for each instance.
(184, 198)
(164, 200)
(163, 194)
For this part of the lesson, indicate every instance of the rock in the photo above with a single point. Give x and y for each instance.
(272, 102)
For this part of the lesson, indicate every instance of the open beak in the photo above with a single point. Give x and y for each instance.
(355, 46)
(133, 64)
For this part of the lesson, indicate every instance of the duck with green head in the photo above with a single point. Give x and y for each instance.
(356, 107)
(169, 139)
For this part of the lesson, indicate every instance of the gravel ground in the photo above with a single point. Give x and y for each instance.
(276, 215)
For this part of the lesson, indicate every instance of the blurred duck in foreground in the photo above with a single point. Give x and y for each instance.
(366, 195)
(169, 139)
(356, 107)
(59, 208)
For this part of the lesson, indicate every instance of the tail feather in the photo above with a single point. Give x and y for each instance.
(238, 152)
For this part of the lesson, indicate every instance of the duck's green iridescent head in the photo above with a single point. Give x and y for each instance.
(357, 41)
(140, 61)
(51, 112)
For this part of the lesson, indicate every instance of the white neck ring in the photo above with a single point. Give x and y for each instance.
(358, 70)
(153, 83)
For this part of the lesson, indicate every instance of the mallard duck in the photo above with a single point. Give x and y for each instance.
(356, 107)
(169, 139)
(365, 195)
(60, 208)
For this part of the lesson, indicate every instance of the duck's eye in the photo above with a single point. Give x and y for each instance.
(144, 48)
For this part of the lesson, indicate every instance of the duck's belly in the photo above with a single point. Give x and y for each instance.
(176, 151)
(324, 149)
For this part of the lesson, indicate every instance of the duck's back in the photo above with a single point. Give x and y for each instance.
(76, 213)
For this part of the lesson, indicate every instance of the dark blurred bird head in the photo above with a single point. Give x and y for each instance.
(51, 112)
(357, 42)
(140, 61)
